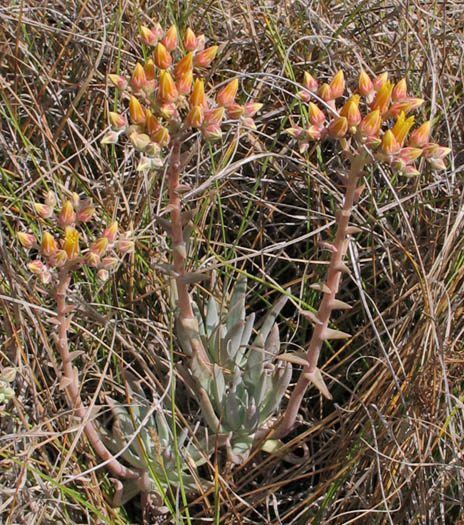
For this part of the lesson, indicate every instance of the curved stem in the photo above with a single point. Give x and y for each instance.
(72, 384)
(336, 267)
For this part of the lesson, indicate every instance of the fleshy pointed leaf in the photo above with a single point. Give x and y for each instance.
(272, 345)
(329, 333)
(318, 381)
(297, 358)
(236, 311)
(271, 316)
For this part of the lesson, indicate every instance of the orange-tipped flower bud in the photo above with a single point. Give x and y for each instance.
(410, 171)
(400, 90)
(337, 85)
(198, 98)
(110, 263)
(119, 81)
(382, 98)
(48, 244)
(184, 65)
(43, 210)
(92, 259)
(151, 122)
(212, 132)
(365, 85)
(149, 68)
(161, 56)
(313, 132)
(36, 266)
(190, 40)
(316, 115)
(304, 95)
(136, 112)
(294, 132)
(27, 240)
(408, 155)
(170, 38)
(148, 36)
(370, 124)
(67, 215)
(402, 127)
(420, 136)
(58, 259)
(405, 105)
(380, 80)
(205, 57)
(226, 95)
(85, 213)
(184, 83)
(139, 140)
(138, 79)
(195, 117)
(162, 137)
(103, 275)
(125, 243)
(214, 116)
(111, 231)
(325, 92)
(351, 111)
(309, 82)
(99, 246)
(437, 164)
(435, 151)
(235, 111)
(71, 242)
(118, 122)
(167, 91)
(338, 127)
(110, 138)
(390, 145)
(251, 108)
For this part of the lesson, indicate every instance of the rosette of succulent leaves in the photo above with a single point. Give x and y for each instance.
(142, 433)
(241, 388)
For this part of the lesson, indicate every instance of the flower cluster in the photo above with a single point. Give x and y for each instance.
(384, 103)
(167, 98)
(66, 252)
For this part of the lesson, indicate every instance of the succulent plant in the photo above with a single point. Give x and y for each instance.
(242, 386)
(152, 450)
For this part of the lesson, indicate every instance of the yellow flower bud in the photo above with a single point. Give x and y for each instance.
(226, 95)
(67, 215)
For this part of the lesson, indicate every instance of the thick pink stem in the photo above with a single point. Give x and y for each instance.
(178, 244)
(327, 304)
(72, 385)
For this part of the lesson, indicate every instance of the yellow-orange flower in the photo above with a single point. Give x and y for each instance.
(402, 127)
(71, 242)
(382, 98)
(226, 95)
(167, 89)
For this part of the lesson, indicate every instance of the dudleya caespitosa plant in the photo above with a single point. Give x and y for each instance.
(243, 384)
(234, 368)
(372, 127)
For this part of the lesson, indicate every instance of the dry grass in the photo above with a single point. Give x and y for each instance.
(389, 448)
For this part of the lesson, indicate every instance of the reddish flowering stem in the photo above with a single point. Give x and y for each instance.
(178, 244)
(72, 384)
(325, 310)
